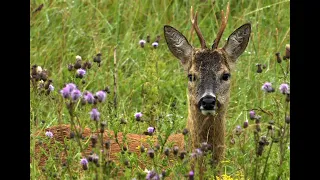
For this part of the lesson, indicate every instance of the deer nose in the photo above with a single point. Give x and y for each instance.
(207, 102)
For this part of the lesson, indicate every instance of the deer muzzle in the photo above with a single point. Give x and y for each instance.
(207, 104)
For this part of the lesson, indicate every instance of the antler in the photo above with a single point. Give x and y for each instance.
(194, 21)
(224, 20)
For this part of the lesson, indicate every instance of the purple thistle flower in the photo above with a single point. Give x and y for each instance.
(252, 114)
(80, 73)
(151, 153)
(101, 96)
(155, 44)
(51, 88)
(152, 175)
(284, 88)
(138, 116)
(198, 152)
(267, 87)
(151, 130)
(88, 97)
(245, 124)
(84, 162)
(49, 134)
(71, 87)
(142, 43)
(238, 130)
(65, 92)
(95, 115)
(75, 94)
(191, 174)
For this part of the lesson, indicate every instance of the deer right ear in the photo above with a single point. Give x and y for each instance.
(178, 44)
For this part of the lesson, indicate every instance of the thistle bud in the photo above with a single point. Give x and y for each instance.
(278, 57)
(259, 70)
(77, 65)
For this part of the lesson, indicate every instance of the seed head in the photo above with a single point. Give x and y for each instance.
(78, 58)
(267, 87)
(278, 57)
(287, 51)
(284, 88)
(238, 130)
(94, 114)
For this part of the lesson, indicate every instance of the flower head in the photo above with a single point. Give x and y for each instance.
(80, 73)
(88, 97)
(152, 175)
(65, 92)
(138, 116)
(151, 153)
(238, 130)
(252, 114)
(71, 87)
(142, 43)
(155, 44)
(284, 88)
(245, 124)
(75, 94)
(101, 96)
(49, 134)
(151, 130)
(191, 174)
(267, 87)
(84, 162)
(95, 115)
(78, 57)
(51, 88)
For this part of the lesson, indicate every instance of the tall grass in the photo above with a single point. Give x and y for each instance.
(150, 80)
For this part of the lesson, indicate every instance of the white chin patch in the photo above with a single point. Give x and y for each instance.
(207, 112)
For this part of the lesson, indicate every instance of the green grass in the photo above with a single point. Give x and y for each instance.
(150, 80)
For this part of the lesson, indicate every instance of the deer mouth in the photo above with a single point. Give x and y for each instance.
(206, 111)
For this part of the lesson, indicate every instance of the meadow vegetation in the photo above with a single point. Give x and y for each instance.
(150, 80)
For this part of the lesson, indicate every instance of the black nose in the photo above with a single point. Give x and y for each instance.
(207, 102)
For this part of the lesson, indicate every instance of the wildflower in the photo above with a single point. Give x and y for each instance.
(148, 38)
(267, 87)
(51, 88)
(94, 140)
(88, 97)
(101, 96)
(152, 175)
(252, 114)
(78, 58)
(75, 94)
(151, 153)
(97, 59)
(138, 116)
(185, 131)
(182, 154)
(80, 73)
(284, 88)
(95, 158)
(175, 150)
(155, 44)
(49, 134)
(71, 86)
(245, 124)
(142, 43)
(278, 57)
(77, 65)
(166, 151)
(191, 175)
(151, 130)
(84, 162)
(259, 70)
(95, 115)
(238, 130)
(70, 67)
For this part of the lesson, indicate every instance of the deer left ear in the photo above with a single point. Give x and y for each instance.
(238, 41)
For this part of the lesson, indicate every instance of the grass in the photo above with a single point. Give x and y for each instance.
(151, 80)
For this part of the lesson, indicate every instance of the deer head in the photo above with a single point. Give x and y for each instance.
(208, 70)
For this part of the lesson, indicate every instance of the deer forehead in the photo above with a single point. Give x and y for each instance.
(209, 61)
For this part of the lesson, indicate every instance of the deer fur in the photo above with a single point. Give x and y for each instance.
(208, 71)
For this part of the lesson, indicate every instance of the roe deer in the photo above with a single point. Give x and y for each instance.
(209, 72)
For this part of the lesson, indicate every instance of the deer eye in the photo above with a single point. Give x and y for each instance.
(191, 77)
(226, 76)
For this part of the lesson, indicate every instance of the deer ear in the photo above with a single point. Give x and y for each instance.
(178, 44)
(238, 41)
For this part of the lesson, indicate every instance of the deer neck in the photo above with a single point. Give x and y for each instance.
(210, 129)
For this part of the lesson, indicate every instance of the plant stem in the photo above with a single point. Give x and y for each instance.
(266, 163)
